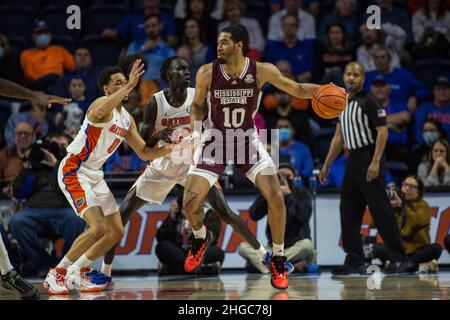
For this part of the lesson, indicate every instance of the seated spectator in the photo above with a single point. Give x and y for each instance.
(11, 157)
(333, 55)
(438, 109)
(337, 169)
(435, 170)
(300, 54)
(431, 132)
(9, 64)
(344, 13)
(307, 23)
(132, 27)
(413, 217)
(37, 117)
(173, 238)
(447, 242)
(431, 30)
(194, 38)
(298, 153)
(84, 69)
(393, 16)
(75, 111)
(154, 52)
(285, 110)
(234, 14)
(45, 63)
(398, 118)
(133, 107)
(299, 249)
(124, 159)
(405, 87)
(373, 39)
(198, 10)
(310, 6)
(46, 213)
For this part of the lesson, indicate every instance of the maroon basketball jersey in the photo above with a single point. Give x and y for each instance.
(233, 103)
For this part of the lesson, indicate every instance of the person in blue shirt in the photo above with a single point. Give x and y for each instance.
(299, 153)
(337, 169)
(398, 118)
(438, 109)
(405, 87)
(154, 49)
(132, 27)
(300, 54)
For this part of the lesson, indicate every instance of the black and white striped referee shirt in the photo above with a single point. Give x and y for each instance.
(359, 120)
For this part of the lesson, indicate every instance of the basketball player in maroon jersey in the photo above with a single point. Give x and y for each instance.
(232, 86)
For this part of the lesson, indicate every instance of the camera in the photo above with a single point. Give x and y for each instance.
(283, 179)
(36, 155)
(391, 192)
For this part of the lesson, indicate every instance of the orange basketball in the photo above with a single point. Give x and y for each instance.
(329, 101)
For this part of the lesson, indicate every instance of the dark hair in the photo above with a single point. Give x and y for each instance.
(438, 126)
(446, 145)
(201, 33)
(206, 7)
(166, 66)
(78, 76)
(153, 16)
(238, 33)
(420, 184)
(344, 42)
(82, 46)
(105, 76)
(230, 3)
(441, 9)
(292, 16)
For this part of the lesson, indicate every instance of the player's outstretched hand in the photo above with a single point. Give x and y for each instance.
(136, 73)
(47, 100)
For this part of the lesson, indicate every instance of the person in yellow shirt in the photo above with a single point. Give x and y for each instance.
(413, 217)
(45, 63)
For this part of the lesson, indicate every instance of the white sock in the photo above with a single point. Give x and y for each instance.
(5, 264)
(64, 263)
(106, 269)
(82, 262)
(201, 233)
(261, 252)
(278, 249)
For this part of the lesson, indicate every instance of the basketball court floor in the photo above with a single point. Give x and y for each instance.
(232, 285)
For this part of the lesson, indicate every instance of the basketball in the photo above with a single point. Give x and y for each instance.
(329, 101)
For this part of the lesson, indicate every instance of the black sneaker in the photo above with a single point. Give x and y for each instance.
(13, 281)
(349, 270)
(196, 254)
(279, 278)
(401, 267)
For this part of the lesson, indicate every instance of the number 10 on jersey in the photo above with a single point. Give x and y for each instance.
(233, 118)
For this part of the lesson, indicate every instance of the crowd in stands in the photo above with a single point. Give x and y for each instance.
(407, 67)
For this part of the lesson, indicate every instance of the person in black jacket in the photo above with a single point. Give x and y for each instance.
(297, 240)
(45, 212)
(174, 237)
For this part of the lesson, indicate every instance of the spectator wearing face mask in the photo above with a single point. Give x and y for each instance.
(299, 153)
(431, 132)
(45, 63)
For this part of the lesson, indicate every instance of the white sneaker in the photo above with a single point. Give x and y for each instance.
(55, 281)
(76, 278)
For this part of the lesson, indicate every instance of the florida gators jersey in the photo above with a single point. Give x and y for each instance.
(95, 142)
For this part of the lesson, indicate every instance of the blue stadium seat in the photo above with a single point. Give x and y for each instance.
(399, 171)
(35, 5)
(16, 21)
(103, 51)
(428, 70)
(56, 17)
(322, 141)
(17, 44)
(104, 16)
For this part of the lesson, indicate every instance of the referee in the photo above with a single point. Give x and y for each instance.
(362, 129)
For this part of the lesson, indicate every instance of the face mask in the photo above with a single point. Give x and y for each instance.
(2, 52)
(43, 40)
(285, 134)
(430, 137)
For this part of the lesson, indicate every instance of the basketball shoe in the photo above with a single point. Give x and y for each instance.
(55, 282)
(196, 254)
(13, 281)
(279, 278)
(100, 278)
(266, 263)
(77, 278)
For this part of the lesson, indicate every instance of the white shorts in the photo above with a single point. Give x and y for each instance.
(85, 188)
(154, 184)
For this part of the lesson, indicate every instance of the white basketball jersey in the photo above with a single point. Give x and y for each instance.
(169, 116)
(95, 142)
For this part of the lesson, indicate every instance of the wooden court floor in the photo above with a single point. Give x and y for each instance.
(240, 286)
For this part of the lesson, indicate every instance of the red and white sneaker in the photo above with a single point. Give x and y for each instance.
(55, 282)
(77, 278)
(279, 278)
(196, 254)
